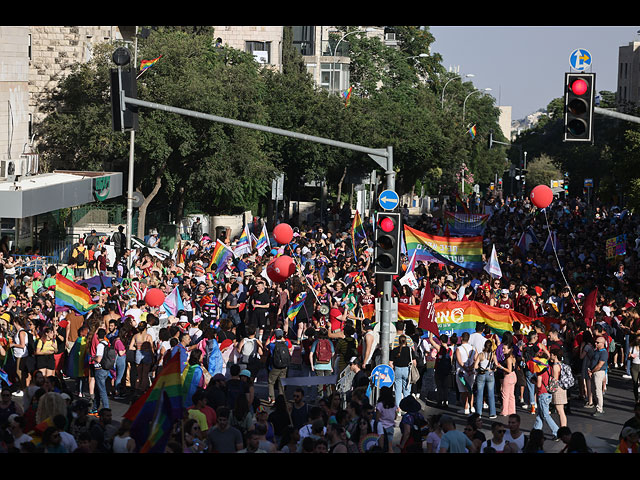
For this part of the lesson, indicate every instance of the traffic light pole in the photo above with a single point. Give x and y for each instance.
(383, 157)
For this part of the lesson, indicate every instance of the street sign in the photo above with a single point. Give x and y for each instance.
(382, 376)
(588, 182)
(388, 200)
(580, 59)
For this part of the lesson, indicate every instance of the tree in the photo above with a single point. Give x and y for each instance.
(541, 171)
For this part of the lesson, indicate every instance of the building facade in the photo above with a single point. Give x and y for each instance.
(629, 73)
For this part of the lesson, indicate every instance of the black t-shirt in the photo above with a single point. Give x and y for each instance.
(400, 356)
(360, 379)
(261, 299)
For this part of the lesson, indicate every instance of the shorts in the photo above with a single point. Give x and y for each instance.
(45, 361)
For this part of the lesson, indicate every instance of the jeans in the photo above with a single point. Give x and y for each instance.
(101, 385)
(544, 400)
(121, 368)
(627, 363)
(401, 383)
(531, 386)
(486, 379)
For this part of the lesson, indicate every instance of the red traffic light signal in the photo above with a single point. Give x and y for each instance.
(579, 94)
(387, 224)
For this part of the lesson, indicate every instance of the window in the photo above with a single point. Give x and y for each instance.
(29, 48)
(304, 39)
(334, 76)
(261, 51)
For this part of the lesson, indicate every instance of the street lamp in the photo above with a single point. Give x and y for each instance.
(422, 55)
(464, 104)
(468, 75)
(335, 51)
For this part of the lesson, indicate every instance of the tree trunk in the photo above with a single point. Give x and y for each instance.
(142, 211)
(344, 174)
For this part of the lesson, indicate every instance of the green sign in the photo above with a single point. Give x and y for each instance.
(101, 187)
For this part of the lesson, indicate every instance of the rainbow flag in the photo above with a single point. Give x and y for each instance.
(368, 310)
(296, 306)
(77, 365)
(460, 204)
(145, 64)
(357, 230)
(192, 379)
(70, 294)
(347, 96)
(465, 252)
(244, 243)
(162, 401)
(462, 224)
(473, 131)
(262, 242)
(460, 317)
(221, 254)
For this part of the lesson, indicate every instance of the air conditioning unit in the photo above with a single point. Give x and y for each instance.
(9, 169)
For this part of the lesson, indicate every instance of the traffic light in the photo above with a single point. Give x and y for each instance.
(387, 246)
(579, 93)
(124, 115)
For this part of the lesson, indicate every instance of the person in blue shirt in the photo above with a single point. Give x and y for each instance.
(598, 373)
(453, 441)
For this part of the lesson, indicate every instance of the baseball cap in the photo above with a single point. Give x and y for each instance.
(245, 373)
(505, 291)
(279, 333)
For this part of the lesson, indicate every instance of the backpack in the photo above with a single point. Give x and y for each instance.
(566, 377)
(281, 356)
(108, 361)
(250, 352)
(323, 351)
(79, 257)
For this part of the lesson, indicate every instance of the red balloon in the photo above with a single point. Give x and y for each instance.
(154, 297)
(541, 196)
(283, 233)
(281, 268)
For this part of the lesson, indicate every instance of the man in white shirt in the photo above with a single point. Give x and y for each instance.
(497, 442)
(476, 339)
(17, 424)
(513, 433)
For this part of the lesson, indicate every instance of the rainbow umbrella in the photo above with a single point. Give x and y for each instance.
(368, 441)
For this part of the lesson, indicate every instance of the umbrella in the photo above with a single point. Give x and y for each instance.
(368, 441)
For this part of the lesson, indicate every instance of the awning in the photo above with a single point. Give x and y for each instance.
(47, 192)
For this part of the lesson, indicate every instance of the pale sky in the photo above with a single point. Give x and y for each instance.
(525, 65)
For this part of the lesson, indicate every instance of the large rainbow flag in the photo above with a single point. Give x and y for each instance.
(460, 317)
(357, 230)
(155, 411)
(471, 224)
(70, 294)
(221, 254)
(465, 252)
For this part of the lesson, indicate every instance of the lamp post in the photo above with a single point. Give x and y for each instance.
(468, 75)
(131, 171)
(464, 104)
(335, 51)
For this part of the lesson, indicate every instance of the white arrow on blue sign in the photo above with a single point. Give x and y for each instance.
(580, 59)
(388, 200)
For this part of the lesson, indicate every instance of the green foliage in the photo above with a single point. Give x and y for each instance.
(541, 171)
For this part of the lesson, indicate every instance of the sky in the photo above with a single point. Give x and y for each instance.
(525, 65)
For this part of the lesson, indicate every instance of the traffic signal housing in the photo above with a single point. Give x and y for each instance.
(124, 115)
(579, 95)
(388, 233)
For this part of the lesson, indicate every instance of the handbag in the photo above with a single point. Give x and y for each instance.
(414, 373)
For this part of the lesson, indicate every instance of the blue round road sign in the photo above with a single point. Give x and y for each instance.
(580, 59)
(388, 200)
(382, 376)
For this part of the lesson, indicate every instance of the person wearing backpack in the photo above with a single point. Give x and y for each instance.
(558, 398)
(101, 367)
(80, 255)
(322, 353)
(251, 351)
(443, 369)
(280, 350)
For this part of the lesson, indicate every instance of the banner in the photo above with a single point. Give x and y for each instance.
(465, 252)
(470, 224)
(460, 317)
(616, 247)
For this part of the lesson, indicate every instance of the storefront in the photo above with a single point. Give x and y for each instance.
(21, 201)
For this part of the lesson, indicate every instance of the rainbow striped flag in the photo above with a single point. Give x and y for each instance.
(244, 243)
(70, 294)
(296, 306)
(368, 310)
(473, 131)
(221, 254)
(460, 317)
(77, 365)
(347, 96)
(145, 64)
(357, 230)
(460, 204)
(153, 414)
(262, 242)
(192, 379)
(471, 224)
(465, 252)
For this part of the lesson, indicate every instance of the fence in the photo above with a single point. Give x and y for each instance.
(30, 264)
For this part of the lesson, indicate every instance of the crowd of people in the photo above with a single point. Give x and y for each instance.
(317, 362)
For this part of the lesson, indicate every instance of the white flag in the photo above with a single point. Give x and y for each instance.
(493, 267)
